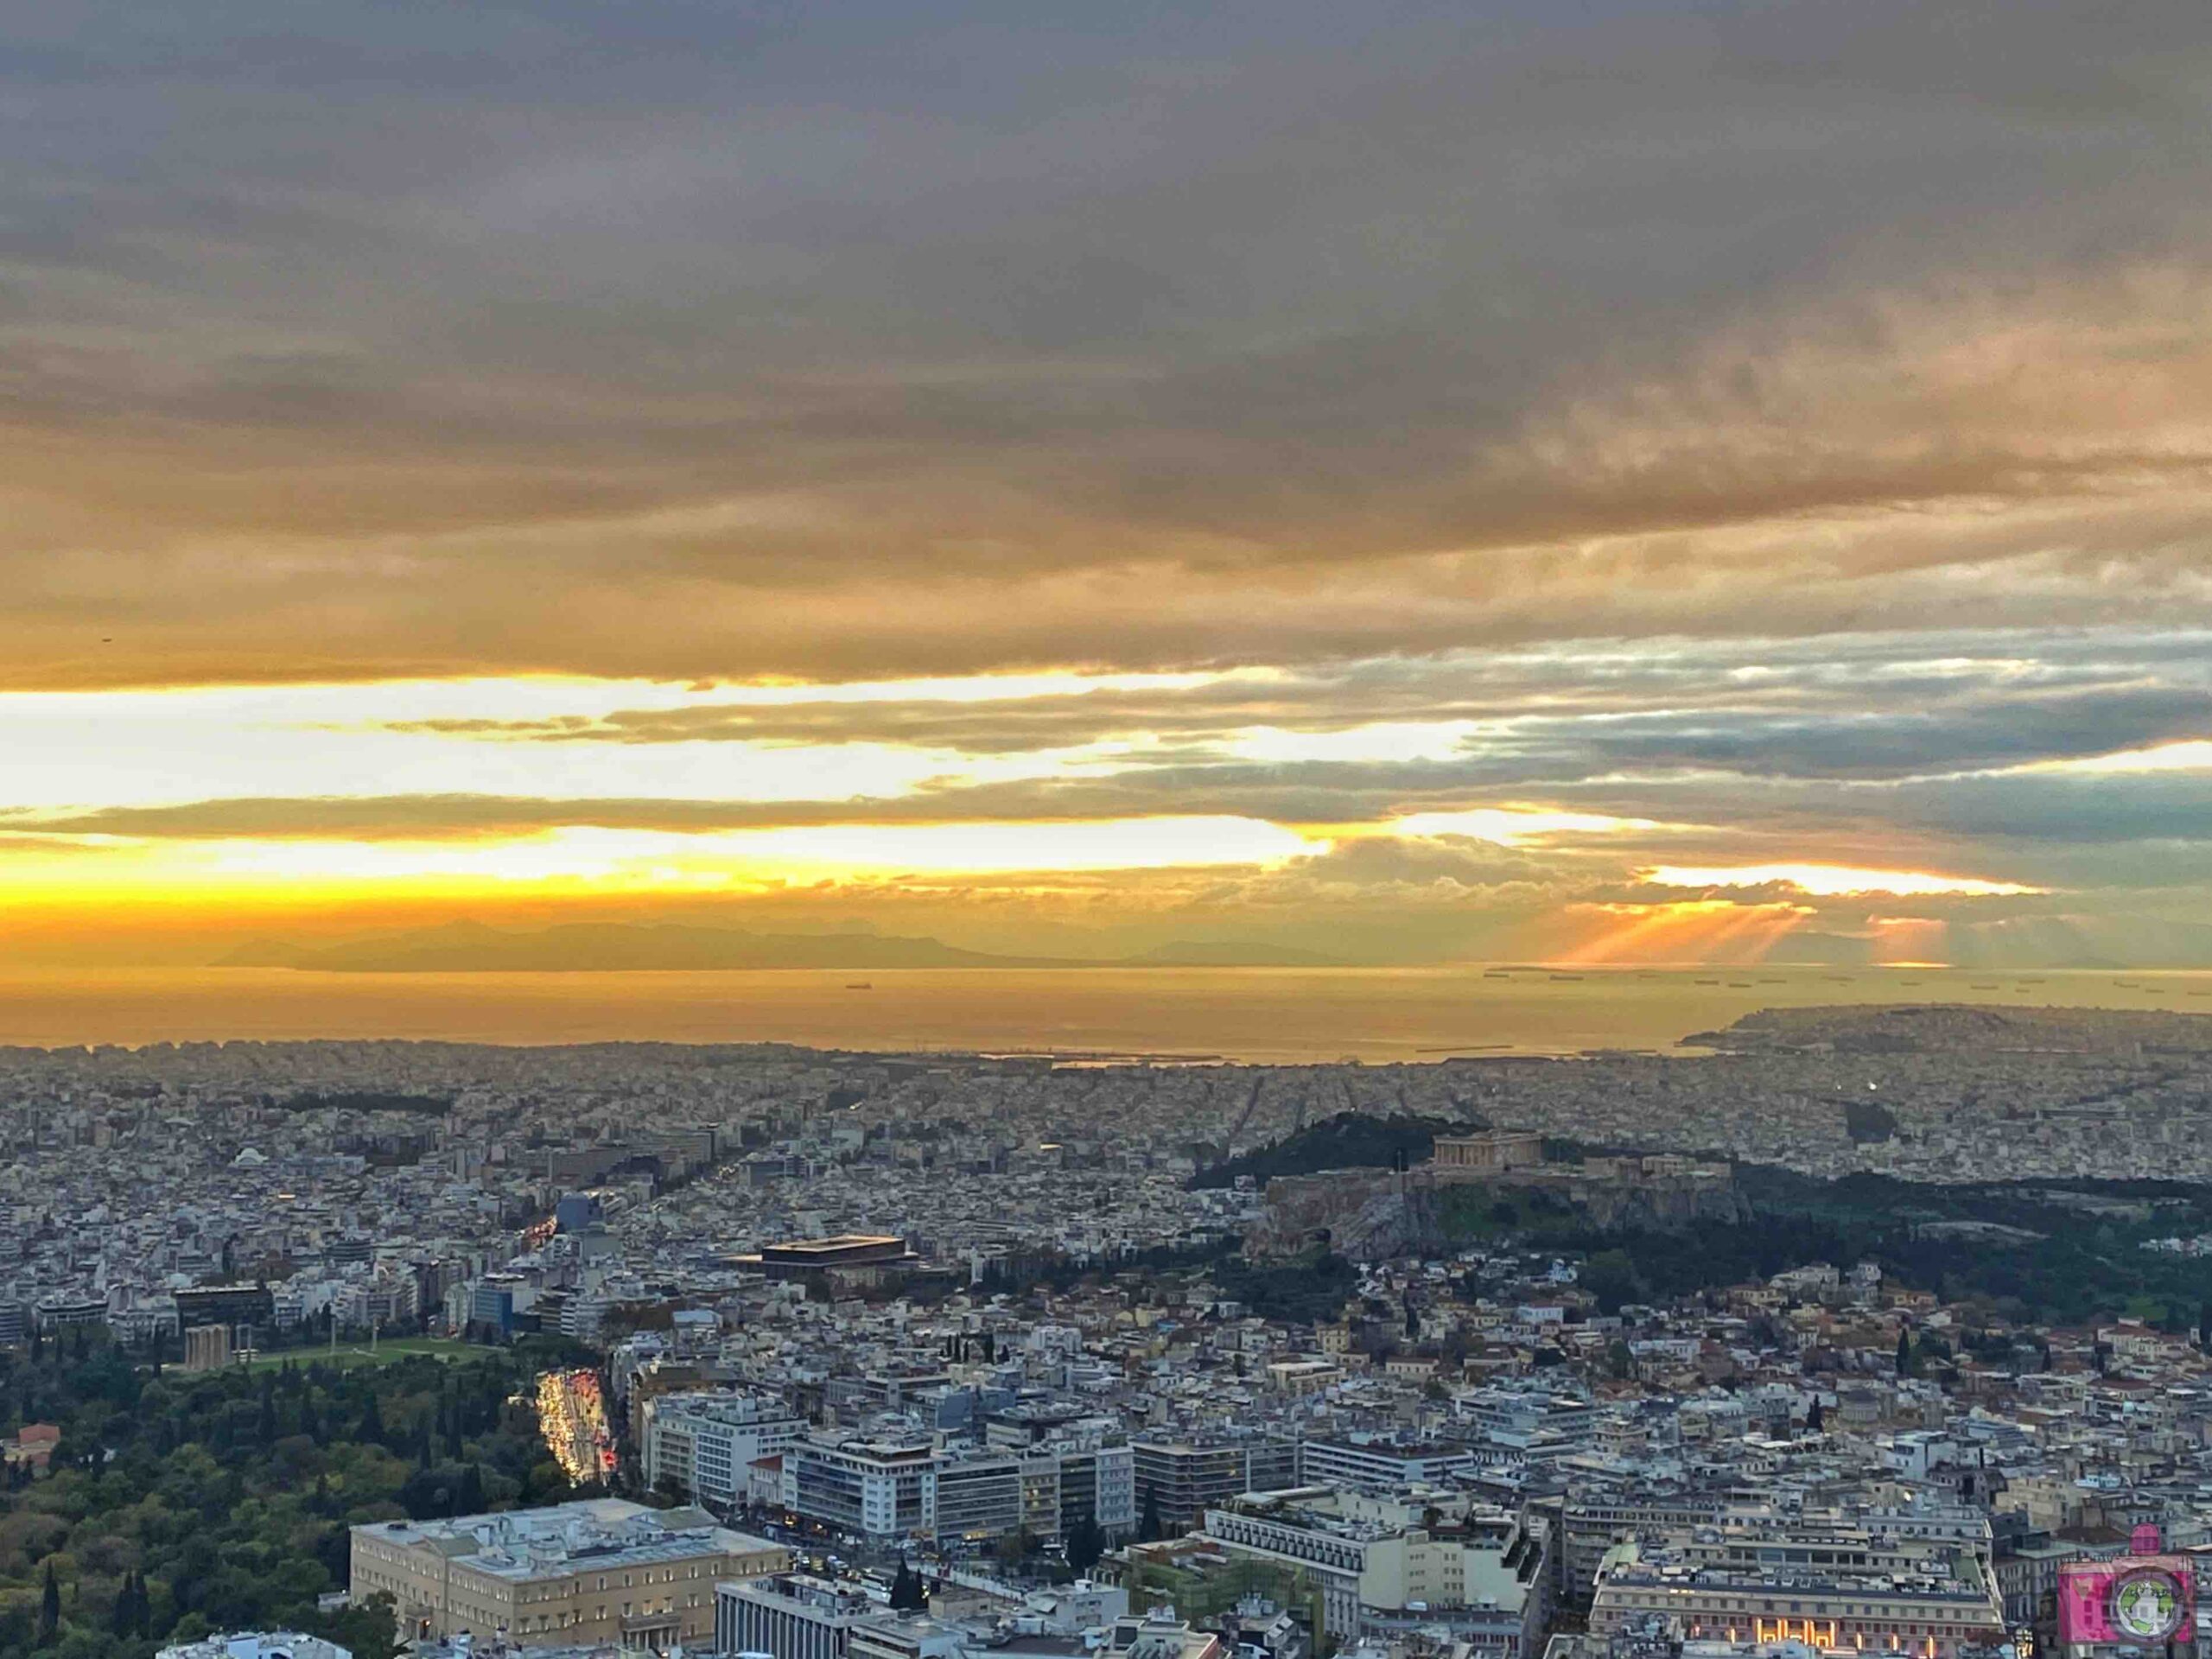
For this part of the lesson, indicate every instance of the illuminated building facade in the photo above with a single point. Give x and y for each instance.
(1832, 1588)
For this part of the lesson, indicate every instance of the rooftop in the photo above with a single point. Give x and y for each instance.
(551, 1543)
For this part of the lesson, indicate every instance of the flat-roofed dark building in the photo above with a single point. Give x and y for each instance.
(845, 1258)
(61, 1312)
(232, 1305)
(844, 1250)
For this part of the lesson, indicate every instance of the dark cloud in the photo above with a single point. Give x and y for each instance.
(833, 342)
(464, 818)
(1892, 706)
(1976, 734)
(16, 844)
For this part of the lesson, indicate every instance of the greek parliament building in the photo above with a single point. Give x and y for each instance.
(598, 1571)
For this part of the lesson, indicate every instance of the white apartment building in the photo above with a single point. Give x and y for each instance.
(907, 1489)
(1378, 1461)
(704, 1444)
(1386, 1565)
(790, 1615)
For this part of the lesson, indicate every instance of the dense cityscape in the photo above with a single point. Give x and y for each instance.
(1166, 829)
(1846, 1329)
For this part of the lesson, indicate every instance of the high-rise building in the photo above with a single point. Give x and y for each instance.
(791, 1616)
(1182, 1478)
(703, 1445)
(912, 1489)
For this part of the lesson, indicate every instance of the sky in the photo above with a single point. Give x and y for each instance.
(1600, 482)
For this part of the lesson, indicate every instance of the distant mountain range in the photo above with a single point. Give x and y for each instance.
(578, 947)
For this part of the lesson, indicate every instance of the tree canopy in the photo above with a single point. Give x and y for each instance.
(178, 1505)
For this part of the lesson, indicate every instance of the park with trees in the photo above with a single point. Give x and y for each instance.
(175, 1505)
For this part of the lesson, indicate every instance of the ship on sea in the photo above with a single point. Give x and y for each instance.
(860, 985)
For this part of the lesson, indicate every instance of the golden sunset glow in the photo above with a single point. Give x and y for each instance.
(1169, 492)
(1716, 931)
(1515, 826)
(928, 801)
(1906, 941)
(625, 860)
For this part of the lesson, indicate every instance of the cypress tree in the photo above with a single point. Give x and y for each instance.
(123, 1619)
(1149, 1527)
(1086, 1542)
(49, 1607)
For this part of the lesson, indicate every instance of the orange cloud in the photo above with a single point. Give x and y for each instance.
(1830, 880)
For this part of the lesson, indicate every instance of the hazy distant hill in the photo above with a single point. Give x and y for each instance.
(472, 948)
(1965, 1028)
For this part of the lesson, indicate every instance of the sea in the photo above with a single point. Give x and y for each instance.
(1280, 1015)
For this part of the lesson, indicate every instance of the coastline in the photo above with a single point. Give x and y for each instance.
(1167, 1015)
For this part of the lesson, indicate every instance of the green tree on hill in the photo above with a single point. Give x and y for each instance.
(1610, 1276)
